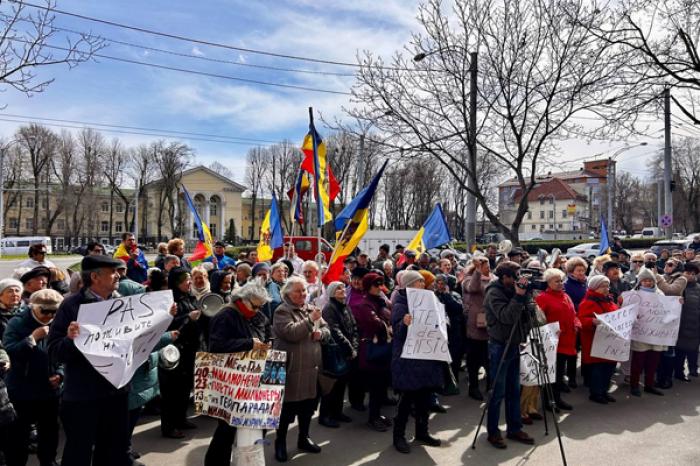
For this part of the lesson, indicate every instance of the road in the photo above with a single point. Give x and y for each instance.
(647, 431)
(8, 266)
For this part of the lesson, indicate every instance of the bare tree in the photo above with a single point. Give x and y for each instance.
(142, 171)
(91, 146)
(115, 165)
(257, 162)
(221, 169)
(171, 159)
(25, 46)
(65, 166)
(14, 167)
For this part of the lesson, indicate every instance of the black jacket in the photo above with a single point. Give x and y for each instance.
(230, 332)
(342, 325)
(188, 341)
(82, 382)
(505, 309)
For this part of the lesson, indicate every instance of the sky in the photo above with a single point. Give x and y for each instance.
(108, 92)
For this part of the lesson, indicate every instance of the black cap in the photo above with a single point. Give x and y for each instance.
(35, 272)
(610, 265)
(359, 272)
(99, 261)
(219, 244)
(515, 252)
(349, 259)
(409, 253)
(399, 246)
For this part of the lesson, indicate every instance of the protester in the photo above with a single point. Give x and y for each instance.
(221, 284)
(219, 258)
(240, 326)
(661, 261)
(575, 284)
(10, 298)
(299, 330)
(671, 283)
(176, 247)
(613, 272)
(37, 257)
(278, 276)
(357, 384)
(290, 254)
(243, 273)
(314, 287)
(160, 258)
(136, 263)
(456, 328)
(34, 280)
(382, 256)
(530, 395)
(598, 300)
(414, 379)
(200, 282)
(94, 248)
(157, 280)
(630, 277)
(128, 287)
(689, 331)
(597, 265)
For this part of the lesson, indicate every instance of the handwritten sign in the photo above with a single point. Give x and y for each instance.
(427, 334)
(118, 335)
(244, 389)
(658, 317)
(612, 336)
(530, 365)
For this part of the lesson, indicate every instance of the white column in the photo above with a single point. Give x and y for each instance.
(207, 210)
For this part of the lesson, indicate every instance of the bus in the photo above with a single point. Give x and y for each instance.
(16, 245)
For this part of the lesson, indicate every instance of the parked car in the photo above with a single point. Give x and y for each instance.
(692, 235)
(306, 248)
(585, 250)
(681, 244)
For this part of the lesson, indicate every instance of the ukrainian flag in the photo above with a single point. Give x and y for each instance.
(433, 233)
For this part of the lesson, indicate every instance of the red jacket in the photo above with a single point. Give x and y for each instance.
(558, 307)
(593, 303)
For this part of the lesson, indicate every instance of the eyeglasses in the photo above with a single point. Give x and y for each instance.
(637, 262)
(47, 312)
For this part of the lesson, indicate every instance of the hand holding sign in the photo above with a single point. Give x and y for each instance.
(426, 337)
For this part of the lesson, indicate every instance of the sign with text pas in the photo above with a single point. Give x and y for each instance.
(118, 335)
(529, 365)
(658, 317)
(244, 389)
(426, 337)
(612, 336)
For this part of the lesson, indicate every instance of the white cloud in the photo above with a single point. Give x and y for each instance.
(197, 52)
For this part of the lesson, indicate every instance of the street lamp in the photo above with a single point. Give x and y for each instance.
(612, 172)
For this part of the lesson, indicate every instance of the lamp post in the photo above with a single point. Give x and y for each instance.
(612, 173)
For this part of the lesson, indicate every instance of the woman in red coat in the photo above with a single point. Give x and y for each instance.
(558, 307)
(597, 301)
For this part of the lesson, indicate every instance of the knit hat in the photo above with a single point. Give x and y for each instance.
(8, 283)
(332, 288)
(644, 274)
(371, 279)
(261, 267)
(46, 299)
(428, 277)
(409, 277)
(596, 281)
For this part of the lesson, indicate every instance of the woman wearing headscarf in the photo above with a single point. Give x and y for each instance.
(343, 330)
(299, 329)
(200, 282)
(176, 384)
(221, 284)
(240, 326)
(10, 298)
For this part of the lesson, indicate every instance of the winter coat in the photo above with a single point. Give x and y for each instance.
(188, 341)
(456, 328)
(576, 290)
(630, 278)
(342, 326)
(672, 284)
(504, 310)
(144, 383)
(274, 292)
(593, 303)
(558, 307)
(31, 368)
(128, 287)
(5, 316)
(292, 330)
(410, 374)
(473, 291)
(617, 288)
(230, 332)
(689, 332)
(222, 261)
(137, 269)
(638, 345)
(373, 319)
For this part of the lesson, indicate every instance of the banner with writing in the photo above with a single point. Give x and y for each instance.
(244, 389)
(658, 317)
(612, 336)
(530, 365)
(118, 335)
(427, 335)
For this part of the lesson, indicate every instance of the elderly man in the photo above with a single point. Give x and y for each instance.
(94, 413)
(314, 287)
(219, 258)
(37, 257)
(34, 280)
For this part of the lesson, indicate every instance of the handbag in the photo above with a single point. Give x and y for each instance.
(378, 353)
(334, 363)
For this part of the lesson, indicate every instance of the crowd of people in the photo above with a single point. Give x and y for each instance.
(362, 319)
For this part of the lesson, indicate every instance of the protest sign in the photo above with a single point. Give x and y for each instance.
(529, 365)
(244, 389)
(118, 335)
(427, 335)
(612, 335)
(658, 317)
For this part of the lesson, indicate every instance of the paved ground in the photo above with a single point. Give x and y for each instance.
(7, 266)
(647, 431)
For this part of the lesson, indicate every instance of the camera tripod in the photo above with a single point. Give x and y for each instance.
(543, 380)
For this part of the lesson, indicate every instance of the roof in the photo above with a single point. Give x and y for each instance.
(561, 175)
(556, 187)
(209, 171)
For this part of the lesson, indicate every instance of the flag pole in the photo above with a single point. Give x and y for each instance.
(319, 202)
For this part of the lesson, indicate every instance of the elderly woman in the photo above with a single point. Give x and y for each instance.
(10, 297)
(597, 266)
(240, 326)
(597, 301)
(176, 384)
(575, 284)
(415, 379)
(33, 382)
(299, 330)
(176, 247)
(220, 283)
(200, 282)
(388, 269)
(672, 283)
(243, 273)
(477, 278)
(343, 330)
(558, 307)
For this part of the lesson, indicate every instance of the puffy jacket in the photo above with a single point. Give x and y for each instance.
(593, 303)
(689, 332)
(342, 326)
(473, 291)
(576, 289)
(144, 383)
(558, 307)
(507, 311)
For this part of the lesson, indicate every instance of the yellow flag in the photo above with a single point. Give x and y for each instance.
(265, 252)
(416, 243)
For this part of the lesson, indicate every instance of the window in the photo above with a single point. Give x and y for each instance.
(551, 214)
(212, 229)
(60, 224)
(104, 227)
(44, 203)
(560, 226)
(551, 200)
(29, 202)
(541, 201)
(534, 227)
(119, 226)
(529, 215)
(119, 207)
(563, 213)
(213, 208)
(30, 223)
(302, 245)
(104, 207)
(551, 227)
(542, 214)
(13, 222)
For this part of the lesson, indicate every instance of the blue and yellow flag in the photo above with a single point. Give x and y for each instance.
(604, 241)
(313, 145)
(433, 233)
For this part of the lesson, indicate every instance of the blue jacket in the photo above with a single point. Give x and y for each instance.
(410, 374)
(575, 289)
(31, 368)
(137, 269)
(144, 383)
(221, 261)
(273, 290)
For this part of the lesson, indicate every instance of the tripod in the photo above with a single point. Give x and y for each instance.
(540, 358)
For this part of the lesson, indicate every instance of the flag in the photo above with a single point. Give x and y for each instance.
(314, 146)
(433, 233)
(296, 196)
(604, 242)
(203, 249)
(121, 253)
(271, 236)
(308, 166)
(353, 223)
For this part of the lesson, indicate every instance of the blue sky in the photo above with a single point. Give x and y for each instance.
(123, 94)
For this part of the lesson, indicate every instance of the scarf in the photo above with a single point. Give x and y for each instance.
(243, 309)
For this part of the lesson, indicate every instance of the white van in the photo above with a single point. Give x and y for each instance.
(17, 245)
(651, 232)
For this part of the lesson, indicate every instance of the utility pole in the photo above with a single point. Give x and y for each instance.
(668, 197)
(470, 223)
(360, 175)
(659, 201)
(2, 195)
(611, 194)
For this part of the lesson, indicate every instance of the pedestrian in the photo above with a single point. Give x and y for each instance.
(689, 330)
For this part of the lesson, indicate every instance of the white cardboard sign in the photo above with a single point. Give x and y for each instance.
(529, 365)
(658, 317)
(613, 335)
(427, 334)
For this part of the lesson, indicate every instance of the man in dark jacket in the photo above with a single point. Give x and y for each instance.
(94, 413)
(508, 307)
(689, 331)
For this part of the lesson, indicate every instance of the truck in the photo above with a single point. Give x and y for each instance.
(306, 248)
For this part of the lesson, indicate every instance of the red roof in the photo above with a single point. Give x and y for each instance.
(555, 186)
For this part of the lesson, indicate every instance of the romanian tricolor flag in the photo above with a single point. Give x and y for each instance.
(353, 221)
(271, 236)
(433, 233)
(203, 249)
(122, 253)
(313, 146)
